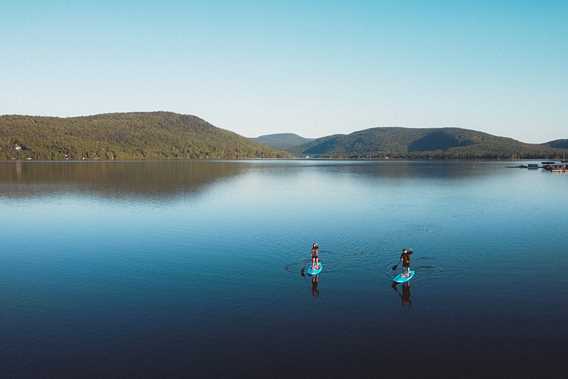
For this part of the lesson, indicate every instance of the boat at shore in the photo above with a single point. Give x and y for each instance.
(543, 164)
(557, 167)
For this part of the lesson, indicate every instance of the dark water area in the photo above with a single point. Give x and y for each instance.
(194, 269)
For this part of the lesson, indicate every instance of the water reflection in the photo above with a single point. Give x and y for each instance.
(168, 179)
(315, 286)
(112, 179)
(440, 170)
(403, 293)
(314, 280)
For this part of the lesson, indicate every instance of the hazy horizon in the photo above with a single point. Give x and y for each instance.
(288, 67)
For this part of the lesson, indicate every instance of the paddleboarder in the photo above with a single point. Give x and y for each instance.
(315, 257)
(405, 259)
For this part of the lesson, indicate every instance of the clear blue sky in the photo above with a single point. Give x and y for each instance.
(311, 67)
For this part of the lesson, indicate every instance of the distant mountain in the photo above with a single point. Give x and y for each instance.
(165, 135)
(558, 144)
(153, 135)
(443, 143)
(282, 141)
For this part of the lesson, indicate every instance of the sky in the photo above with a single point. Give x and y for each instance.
(310, 67)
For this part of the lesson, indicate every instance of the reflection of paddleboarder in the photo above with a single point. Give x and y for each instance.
(315, 283)
(405, 296)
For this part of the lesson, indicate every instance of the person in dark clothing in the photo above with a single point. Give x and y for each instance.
(315, 255)
(405, 259)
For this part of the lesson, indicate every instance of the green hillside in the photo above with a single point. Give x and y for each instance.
(443, 143)
(558, 144)
(282, 140)
(123, 136)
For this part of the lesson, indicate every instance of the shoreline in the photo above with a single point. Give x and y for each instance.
(76, 161)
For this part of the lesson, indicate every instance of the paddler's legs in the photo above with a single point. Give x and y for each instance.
(405, 270)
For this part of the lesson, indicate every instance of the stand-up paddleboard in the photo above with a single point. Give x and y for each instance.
(311, 270)
(403, 279)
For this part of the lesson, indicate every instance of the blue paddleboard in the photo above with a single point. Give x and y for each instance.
(403, 279)
(310, 270)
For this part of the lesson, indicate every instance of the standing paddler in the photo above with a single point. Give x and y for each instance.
(405, 259)
(315, 256)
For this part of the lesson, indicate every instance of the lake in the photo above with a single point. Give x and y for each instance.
(194, 269)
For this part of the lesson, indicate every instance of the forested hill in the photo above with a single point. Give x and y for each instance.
(123, 136)
(559, 144)
(282, 140)
(437, 143)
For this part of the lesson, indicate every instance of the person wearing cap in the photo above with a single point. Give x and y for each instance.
(405, 259)
(315, 257)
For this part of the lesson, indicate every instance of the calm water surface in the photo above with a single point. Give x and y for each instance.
(194, 269)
